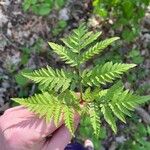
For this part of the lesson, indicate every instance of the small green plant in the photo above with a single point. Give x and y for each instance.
(22, 83)
(135, 56)
(21, 80)
(138, 136)
(122, 12)
(36, 48)
(60, 26)
(59, 99)
(42, 7)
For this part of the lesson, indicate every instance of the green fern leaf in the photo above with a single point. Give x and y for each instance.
(51, 79)
(117, 98)
(49, 106)
(121, 101)
(109, 117)
(124, 110)
(61, 103)
(75, 40)
(95, 119)
(89, 38)
(66, 55)
(117, 112)
(96, 49)
(101, 74)
(80, 38)
(57, 114)
(69, 118)
(141, 99)
(41, 104)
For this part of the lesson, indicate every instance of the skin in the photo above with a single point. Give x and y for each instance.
(22, 130)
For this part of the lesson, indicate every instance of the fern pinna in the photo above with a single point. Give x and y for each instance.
(59, 99)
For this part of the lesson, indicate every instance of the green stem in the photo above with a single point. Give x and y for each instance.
(80, 79)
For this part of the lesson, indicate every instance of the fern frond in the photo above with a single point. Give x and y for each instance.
(109, 117)
(123, 109)
(69, 118)
(74, 41)
(96, 49)
(141, 99)
(122, 102)
(65, 54)
(89, 38)
(117, 112)
(42, 104)
(101, 74)
(119, 102)
(80, 38)
(57, 114)
(95, 119)
(49, 106)
(51, 79)
(61, 103)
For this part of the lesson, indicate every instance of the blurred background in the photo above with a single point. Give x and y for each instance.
(27, 25)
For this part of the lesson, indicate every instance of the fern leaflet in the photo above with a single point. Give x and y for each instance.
(65, 54)
(95, 119)
(101, 74)
(69, 118)
(50, 107)
(119, 102)
(96, 49)
(51, 79)
(109, 117)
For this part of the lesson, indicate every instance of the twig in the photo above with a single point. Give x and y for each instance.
(32, 90)
(113, 146)
(8, 40)
(144, 115)
(4, 107)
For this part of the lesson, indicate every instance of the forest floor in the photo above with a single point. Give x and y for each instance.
(23, 44)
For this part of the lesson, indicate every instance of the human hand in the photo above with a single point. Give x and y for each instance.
(20, 129)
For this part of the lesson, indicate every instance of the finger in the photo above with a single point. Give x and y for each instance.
(20, 117)
(21, 111)
(59, 141)
(51, 128)
(14, 108)
(60, 138)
